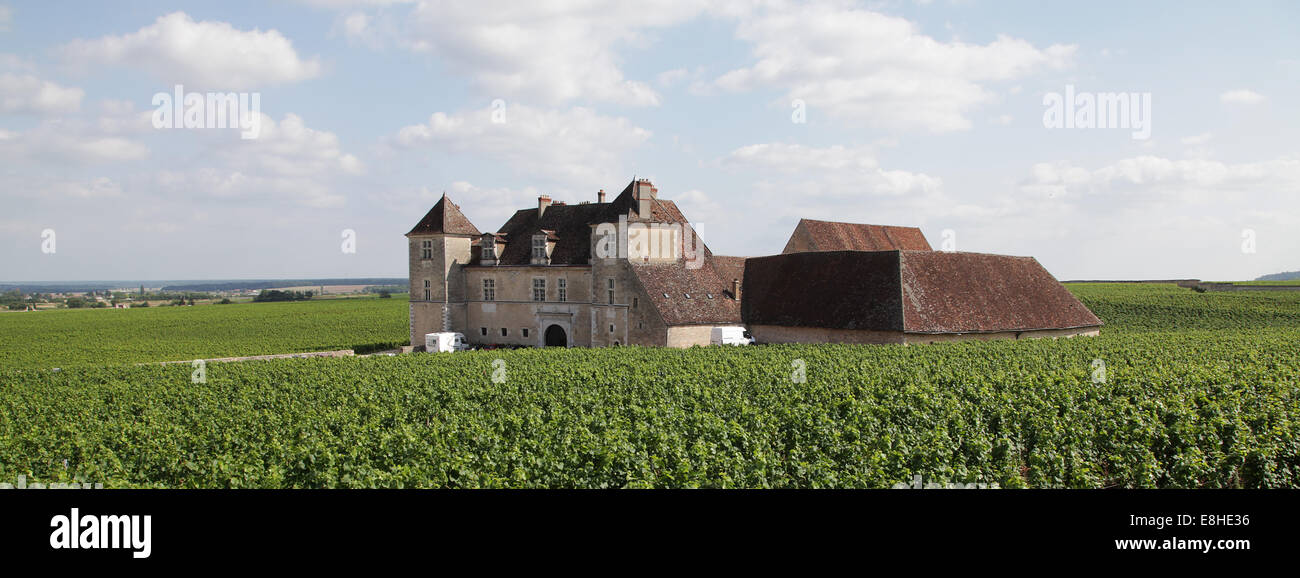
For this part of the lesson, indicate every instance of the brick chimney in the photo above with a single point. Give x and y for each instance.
(542, 202)
(735, 289)
(600, 197)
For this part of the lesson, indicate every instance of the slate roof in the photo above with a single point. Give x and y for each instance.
(444, 218)
(909, 291)
(570, 227)
(835, 236)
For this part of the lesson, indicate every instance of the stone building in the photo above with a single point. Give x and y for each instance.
(630, 271)
(901, 296)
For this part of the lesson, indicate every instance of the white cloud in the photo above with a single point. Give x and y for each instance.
(835, 171)
(29, 94)
(669, 78)
(59, 189)
(577, 146)
(547, 51)
(880, 70)
(288, 162)
(61, 143)
(1241, 97)
(200, 55)
(1157, 178)
(1197, 140)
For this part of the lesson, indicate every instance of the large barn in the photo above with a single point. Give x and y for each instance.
(907, 297)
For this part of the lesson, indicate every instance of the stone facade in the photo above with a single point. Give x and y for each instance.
(499, 289)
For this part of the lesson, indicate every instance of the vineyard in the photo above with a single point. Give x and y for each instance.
(1183, 389)
(92, 337)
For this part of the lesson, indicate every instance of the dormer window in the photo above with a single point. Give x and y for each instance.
(539, 250)
(490, 250)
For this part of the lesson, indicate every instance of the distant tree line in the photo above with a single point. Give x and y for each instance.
(267, 295)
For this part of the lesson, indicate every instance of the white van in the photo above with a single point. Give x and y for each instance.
(730, 336)
(444, 342)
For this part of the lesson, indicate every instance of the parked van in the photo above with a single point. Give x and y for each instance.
(444, 342)
(730, 336)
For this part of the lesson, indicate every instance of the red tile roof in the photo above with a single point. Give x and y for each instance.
(444, 218)
(669, 285)
(834, 236)
(910, 291)
(837, 289)
(949, 292)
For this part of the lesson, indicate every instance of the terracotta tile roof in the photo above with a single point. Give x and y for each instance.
(729, 268)
(911, 291)
(834, 236)
(949, 292)
(668, 286)
(444, 217)
(838, 289)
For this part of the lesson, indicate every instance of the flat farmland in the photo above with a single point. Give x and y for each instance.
(67, 338)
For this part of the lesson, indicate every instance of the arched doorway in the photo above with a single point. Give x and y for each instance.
(555, 337)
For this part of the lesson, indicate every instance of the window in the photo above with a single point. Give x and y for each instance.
(505, 332)
(688, 295)
(710, 295)
(539, 248)
(611, 328)
(635, 301)
(525, 331)
(489, 289)
(611, 291)
(562, 285)
(483, 330)
(426, 249)
(428, 295)
(490, 250)
(539, 289)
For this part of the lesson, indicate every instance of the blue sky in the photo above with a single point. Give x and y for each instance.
(916, 113)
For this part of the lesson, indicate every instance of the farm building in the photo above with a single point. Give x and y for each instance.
(632, 271)
(907, 297)
(810, 235)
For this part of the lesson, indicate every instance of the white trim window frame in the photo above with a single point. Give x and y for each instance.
(539, 289)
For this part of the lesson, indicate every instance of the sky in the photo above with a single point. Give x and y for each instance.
(750, 115)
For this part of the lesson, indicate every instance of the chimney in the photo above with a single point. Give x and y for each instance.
(600, 197)
(542, 202)
(735, 289)
(644, 193)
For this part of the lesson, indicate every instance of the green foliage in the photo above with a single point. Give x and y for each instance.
(266, 295)
(1199, 390)
(71, 338)
(1134, 307)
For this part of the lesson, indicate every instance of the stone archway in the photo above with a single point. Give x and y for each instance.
(556, 337)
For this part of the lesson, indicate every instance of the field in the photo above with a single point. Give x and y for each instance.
(1182, 389)
(68, 338)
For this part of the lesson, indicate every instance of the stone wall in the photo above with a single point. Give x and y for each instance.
(779, 334)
